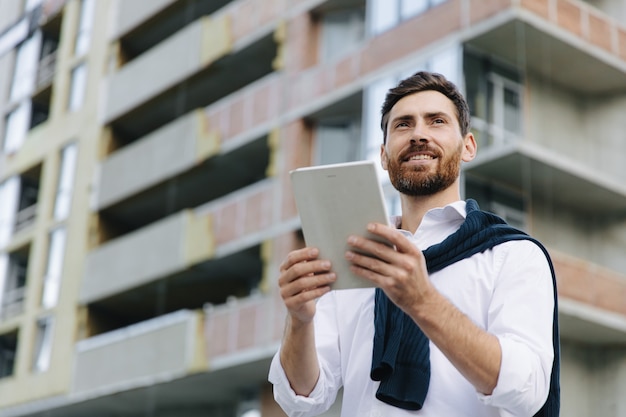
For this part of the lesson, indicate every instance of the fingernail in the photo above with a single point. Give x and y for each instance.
(371, 227)
(352, 239)
(326, 264)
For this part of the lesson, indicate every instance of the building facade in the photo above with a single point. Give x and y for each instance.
(145, 203)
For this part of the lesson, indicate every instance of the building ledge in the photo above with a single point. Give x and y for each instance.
(523, 164)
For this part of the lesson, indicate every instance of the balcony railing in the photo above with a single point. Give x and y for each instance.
(46, 70)
(12, 303)
(241, 326)
(25, 218)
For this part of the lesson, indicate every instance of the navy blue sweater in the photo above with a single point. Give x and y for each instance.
(401, 355)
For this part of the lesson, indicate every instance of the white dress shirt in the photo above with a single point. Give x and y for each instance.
(507, 291)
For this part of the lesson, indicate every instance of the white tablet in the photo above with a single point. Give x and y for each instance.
(334, 202)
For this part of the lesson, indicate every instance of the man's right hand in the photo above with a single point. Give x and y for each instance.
(304, 278)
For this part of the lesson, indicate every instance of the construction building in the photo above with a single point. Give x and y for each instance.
(145, 202)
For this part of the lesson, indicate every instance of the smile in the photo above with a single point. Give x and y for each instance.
(420, 157)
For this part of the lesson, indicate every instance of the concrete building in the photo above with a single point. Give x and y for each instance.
(145, 202)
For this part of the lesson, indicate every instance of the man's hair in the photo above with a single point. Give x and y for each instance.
(424, 81)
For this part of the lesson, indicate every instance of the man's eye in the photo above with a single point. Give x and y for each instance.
(439, 121)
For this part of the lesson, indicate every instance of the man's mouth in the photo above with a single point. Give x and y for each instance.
(420, 157)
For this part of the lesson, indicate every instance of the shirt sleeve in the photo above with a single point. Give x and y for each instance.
(330, 380)
(521, 316)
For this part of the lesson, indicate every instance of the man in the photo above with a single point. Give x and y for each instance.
(462, 322)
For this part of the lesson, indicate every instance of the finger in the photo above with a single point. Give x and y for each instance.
(393, 236)
(371, 264)
(304, 269)
(372, 248)
(307, 288)
(297, 256)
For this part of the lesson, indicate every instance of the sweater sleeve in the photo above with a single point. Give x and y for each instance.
(520, 316)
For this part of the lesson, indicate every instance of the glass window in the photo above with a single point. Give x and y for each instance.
(66, 181)
(52, 279)
(338, 142)
(31, 4)
(77, 89)
(494, 94)
(8, 351)
(83, 35)
(25, 72)
(409, 8)
(17, 124)
(9, 196)
(341, 32)
(43, 344)
(385, 14)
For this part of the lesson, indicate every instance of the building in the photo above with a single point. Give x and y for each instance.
(145, 202)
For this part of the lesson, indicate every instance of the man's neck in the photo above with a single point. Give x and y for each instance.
(415, 207)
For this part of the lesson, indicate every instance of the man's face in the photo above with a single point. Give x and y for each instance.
(424, 145)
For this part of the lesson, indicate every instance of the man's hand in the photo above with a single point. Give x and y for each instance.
(400, 271)
(303, 279)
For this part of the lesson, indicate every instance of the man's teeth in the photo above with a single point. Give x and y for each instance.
(420, 157)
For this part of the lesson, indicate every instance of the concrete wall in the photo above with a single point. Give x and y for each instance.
(588, 129)
(593, 380)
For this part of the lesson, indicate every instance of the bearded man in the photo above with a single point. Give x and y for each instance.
(462, 321)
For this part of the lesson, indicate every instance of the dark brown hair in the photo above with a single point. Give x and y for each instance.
(424, 81)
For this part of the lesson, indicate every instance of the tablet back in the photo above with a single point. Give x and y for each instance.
(335, 201)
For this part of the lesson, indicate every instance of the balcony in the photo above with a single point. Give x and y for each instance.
(564, 32)
(591, 302)
(158, 350)
(185, 53)
(242, 329)
(169, 151)
(12, 303)
(163, 248)
(141, 26)
(524, 164)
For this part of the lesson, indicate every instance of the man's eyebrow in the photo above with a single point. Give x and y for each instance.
(402, 118)
(436, 114)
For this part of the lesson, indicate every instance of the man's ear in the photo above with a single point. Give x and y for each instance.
(383, 157)
(469, 147)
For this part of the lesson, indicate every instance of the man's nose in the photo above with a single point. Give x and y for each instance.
(419, 134)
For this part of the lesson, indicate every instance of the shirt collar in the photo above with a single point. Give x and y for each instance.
(451, 212)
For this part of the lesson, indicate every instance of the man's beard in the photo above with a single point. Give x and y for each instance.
(418, 181)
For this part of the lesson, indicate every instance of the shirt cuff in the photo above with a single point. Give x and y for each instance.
(523, 385)
(286, 396)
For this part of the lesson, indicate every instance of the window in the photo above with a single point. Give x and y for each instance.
(17, 124)
(8, 350)
(66, 181)
(338, 141)
(13, 284)
(25, 72)
(31, 5)
(9, 196)
(385, 14)
(495, 96)
(43, 345)
(342, 32)
(83, 35)
(54, 269)
(77, 88)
